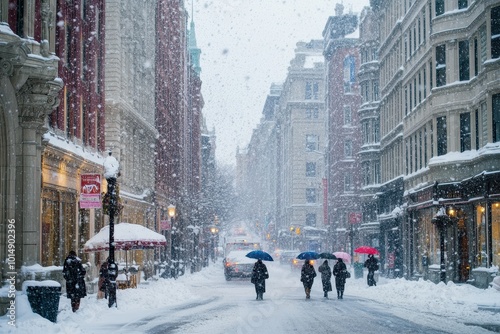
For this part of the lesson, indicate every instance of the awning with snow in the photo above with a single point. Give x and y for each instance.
(127, 236)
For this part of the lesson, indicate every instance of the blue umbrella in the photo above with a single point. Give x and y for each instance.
(260, 255)
(308, 256)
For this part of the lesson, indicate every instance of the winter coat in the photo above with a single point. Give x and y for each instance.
(339, 270)
(103, 276)
(259, 276)
(371, 264)
(74, 274)
(307, 275)
(326, 276)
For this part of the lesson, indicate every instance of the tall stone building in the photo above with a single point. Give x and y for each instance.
(302, 141)
(439, 128)
(261, 163)
(342, 95)
(130, 109)
(369, 120)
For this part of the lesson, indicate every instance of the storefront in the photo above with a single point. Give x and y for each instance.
(469, 225)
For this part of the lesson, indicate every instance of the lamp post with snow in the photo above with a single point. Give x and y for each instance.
(173, 252)
(442, 220)
(111, 172)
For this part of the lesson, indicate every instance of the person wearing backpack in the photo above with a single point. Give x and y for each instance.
(372, 265)
(74, 274)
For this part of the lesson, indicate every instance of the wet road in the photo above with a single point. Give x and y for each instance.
(230, 307)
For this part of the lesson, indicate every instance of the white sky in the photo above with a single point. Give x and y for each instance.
(179, 302)
(246, 45)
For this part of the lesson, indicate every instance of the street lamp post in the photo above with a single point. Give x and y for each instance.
(111, 172)
(214, 230)
(174, 255)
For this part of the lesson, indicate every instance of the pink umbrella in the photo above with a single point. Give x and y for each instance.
(343, 255)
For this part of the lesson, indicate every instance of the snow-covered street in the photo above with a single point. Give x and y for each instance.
(205, 303)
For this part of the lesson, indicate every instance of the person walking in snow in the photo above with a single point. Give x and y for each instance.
(259, 276)
(307, 277)
(340, 272)
(74, 274)
(326, 277)
(372, 264)
(103, 281)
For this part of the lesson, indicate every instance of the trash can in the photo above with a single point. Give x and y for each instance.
(44, 298)
(358, 270)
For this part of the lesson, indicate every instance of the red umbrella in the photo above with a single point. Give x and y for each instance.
(366, 250)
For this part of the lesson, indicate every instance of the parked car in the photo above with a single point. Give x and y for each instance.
(297, 264)
(287, 256)
(236, 264)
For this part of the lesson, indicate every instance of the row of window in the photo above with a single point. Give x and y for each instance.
(473, 134)
(370, 90)
(371, 172)
(440, 6)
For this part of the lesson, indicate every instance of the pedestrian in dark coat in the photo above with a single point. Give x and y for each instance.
(103, 281)
(307, 277)
(326, 277)
(372, 264)
(340, 272)
(259, 276)
(74, 274)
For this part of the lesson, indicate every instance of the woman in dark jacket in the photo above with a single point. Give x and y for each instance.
(259, 276)
(340, 270)
(74, 274)
(372, 264)
(326, 276)
(307, 277)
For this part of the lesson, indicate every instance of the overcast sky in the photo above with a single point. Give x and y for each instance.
(246, 45)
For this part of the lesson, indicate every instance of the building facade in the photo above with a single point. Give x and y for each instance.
(130, 112)
(343, 99)
(302, 140)
(439, 134)
(369, 120)
(30, 86)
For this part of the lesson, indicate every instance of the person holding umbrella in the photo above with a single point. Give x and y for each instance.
(372, 264)
(259, 276)
(340, 272)
(326, 276)
(307, 277)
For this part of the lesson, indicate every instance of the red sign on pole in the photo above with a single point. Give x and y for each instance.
(355, 217)
(90, 191)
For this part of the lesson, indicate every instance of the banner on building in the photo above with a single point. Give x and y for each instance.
(90, 191)
(355, 217)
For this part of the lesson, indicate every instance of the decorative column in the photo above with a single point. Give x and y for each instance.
(36, 99)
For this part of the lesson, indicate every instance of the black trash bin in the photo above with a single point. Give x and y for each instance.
(44, 300)
(358, 270)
